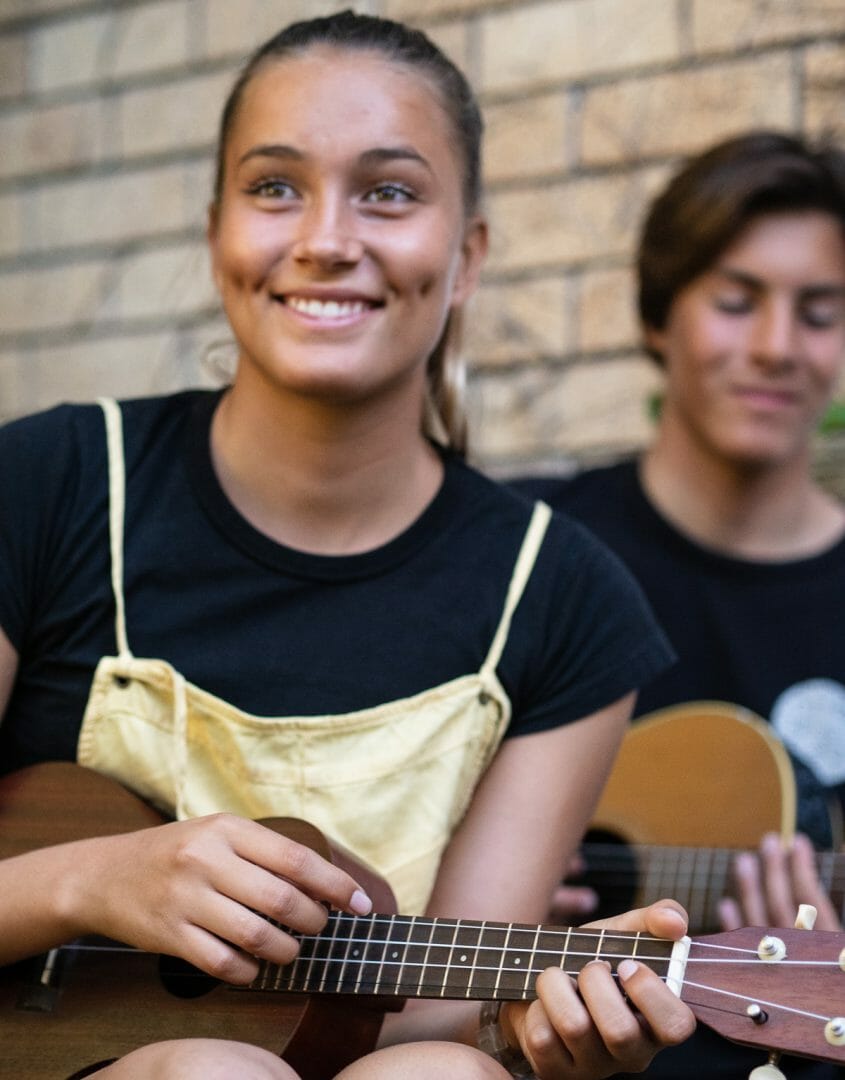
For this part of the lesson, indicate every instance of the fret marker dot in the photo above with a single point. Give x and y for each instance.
(355, 952)
(517, 960)
(464, 959)
(394, 954)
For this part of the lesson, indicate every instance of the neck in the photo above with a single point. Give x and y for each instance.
(772, 512)
(331, 480)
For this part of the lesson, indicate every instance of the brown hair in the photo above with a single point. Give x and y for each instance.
(445, 418)
(713, 198)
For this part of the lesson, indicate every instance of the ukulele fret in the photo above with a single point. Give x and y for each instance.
(391, 958)
(447, 980)
(470, 942)
(348, 938)
(402, 948)
(330, 962)
(491, 976)
(422, 949)
(370, 958)
(529, 966)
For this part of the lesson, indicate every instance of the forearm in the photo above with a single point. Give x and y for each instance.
(36, 908)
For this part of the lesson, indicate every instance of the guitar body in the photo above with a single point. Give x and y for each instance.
(691, 785)
(92, 1005)
(702, 774)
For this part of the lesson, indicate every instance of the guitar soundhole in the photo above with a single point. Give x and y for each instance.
(182, 979)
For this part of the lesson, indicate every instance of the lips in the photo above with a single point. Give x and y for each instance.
(767, 397)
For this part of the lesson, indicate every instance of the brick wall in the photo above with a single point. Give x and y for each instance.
(107, 119)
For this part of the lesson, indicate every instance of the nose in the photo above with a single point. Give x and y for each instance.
(774, 335)
(327, 234)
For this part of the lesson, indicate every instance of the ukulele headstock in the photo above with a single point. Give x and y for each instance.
(771, 988)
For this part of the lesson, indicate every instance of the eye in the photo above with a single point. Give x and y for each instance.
(823, 313)
(733, 302)
(389, 192)
(271, 188)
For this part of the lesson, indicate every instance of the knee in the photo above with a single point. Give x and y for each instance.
(198, 1059)
(425, 1061)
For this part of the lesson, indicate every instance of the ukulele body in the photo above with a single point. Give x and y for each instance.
(64, 1012)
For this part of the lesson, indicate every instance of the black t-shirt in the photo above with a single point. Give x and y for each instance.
(744, 631)
(764, 635)
(276, 631)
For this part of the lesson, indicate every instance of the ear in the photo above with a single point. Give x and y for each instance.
(655, 341)
(212, 232)
(472, 257)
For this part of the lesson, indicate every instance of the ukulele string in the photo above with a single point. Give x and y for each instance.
(526, 973)
(804, 1013)
(748, 956)
(745, 956)
(740, 956)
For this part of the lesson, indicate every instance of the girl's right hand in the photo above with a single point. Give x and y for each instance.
(204, 890)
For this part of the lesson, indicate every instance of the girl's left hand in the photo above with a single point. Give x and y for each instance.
(587, 1029)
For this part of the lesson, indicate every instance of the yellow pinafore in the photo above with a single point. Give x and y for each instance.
(390, 783)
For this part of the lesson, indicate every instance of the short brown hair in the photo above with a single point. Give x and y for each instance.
(712, 199)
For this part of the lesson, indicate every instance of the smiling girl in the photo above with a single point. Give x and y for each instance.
(294, 597)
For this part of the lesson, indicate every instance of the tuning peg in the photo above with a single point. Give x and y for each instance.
(770, 949)
(766, 1072)
(806, 917)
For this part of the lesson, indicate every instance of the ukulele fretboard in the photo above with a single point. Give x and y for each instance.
(453, 958)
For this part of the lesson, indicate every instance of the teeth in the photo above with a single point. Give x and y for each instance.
(326, 309)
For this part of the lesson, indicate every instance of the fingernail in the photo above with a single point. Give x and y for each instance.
(626, 969)
(586, 901)
(771, 843)
(678, 916)
(360, 903)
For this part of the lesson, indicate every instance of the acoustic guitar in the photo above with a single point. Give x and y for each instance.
(692, 785)
(91, 1001)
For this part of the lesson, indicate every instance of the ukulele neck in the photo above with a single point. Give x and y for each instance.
(455, 958)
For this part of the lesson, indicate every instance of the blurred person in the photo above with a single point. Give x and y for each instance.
(741, 278)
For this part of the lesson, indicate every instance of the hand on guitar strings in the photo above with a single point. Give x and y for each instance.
(772, 883)
(201, 889)
(593, 1026)
(571, 904)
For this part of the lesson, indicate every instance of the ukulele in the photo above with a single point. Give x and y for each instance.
(93, 1000)
(727, 779)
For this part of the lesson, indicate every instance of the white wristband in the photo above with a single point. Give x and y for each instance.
(491, 1039)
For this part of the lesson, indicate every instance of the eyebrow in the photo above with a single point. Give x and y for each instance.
(274, 150)
(814, 289)
(375, 156)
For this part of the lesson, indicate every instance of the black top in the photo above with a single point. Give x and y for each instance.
(744, 631)
(276, 631)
